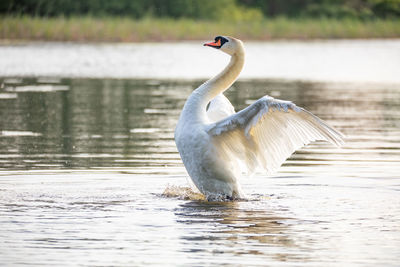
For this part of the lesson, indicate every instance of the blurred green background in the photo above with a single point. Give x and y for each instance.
(105, 20)
(206, 9)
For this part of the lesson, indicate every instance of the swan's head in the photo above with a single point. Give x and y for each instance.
(226, 44)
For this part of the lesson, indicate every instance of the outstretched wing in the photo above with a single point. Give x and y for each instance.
(267, 132)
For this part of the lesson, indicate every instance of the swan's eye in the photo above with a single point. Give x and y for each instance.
(222, 39)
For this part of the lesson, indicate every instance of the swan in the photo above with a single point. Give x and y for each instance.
(217, 145)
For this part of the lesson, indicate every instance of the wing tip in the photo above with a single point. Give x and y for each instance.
(331, 135)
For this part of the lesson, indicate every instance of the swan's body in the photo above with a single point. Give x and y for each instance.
(217, 145)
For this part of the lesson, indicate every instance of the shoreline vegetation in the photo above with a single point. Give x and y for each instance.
(149, 29)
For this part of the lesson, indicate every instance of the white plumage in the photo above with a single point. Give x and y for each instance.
(217, 145)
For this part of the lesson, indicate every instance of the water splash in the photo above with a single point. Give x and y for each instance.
(183, 192)
(188, 193)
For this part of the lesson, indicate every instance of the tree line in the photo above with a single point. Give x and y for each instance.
(205, 9)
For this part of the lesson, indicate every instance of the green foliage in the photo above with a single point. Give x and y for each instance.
(67, 8)
(353, 9)
(239, 13)
(113, 29)
(196, 9)
(386, 8)
(360, 9)
(230, 10)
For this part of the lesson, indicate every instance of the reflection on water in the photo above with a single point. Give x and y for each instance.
(85, 162)
(108, 218)
(51, 124)
(89, 123)
(233, 222)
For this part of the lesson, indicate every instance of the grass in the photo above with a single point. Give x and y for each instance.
(112, 29)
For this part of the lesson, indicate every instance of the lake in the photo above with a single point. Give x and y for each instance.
(90, 175)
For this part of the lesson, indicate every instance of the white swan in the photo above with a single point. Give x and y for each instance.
(217, 145)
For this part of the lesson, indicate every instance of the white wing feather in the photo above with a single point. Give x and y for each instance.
(266, 133)
(220, 108)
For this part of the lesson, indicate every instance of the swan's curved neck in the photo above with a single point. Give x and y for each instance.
(195, 107)
(225, 78)
(216, 85)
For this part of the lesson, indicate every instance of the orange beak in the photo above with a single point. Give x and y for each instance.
(214, 44)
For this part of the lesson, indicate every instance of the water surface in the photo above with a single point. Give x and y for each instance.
(339, 61)
(84, 162)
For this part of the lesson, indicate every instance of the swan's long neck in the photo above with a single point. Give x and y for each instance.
(216, 85)
(225, 78)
